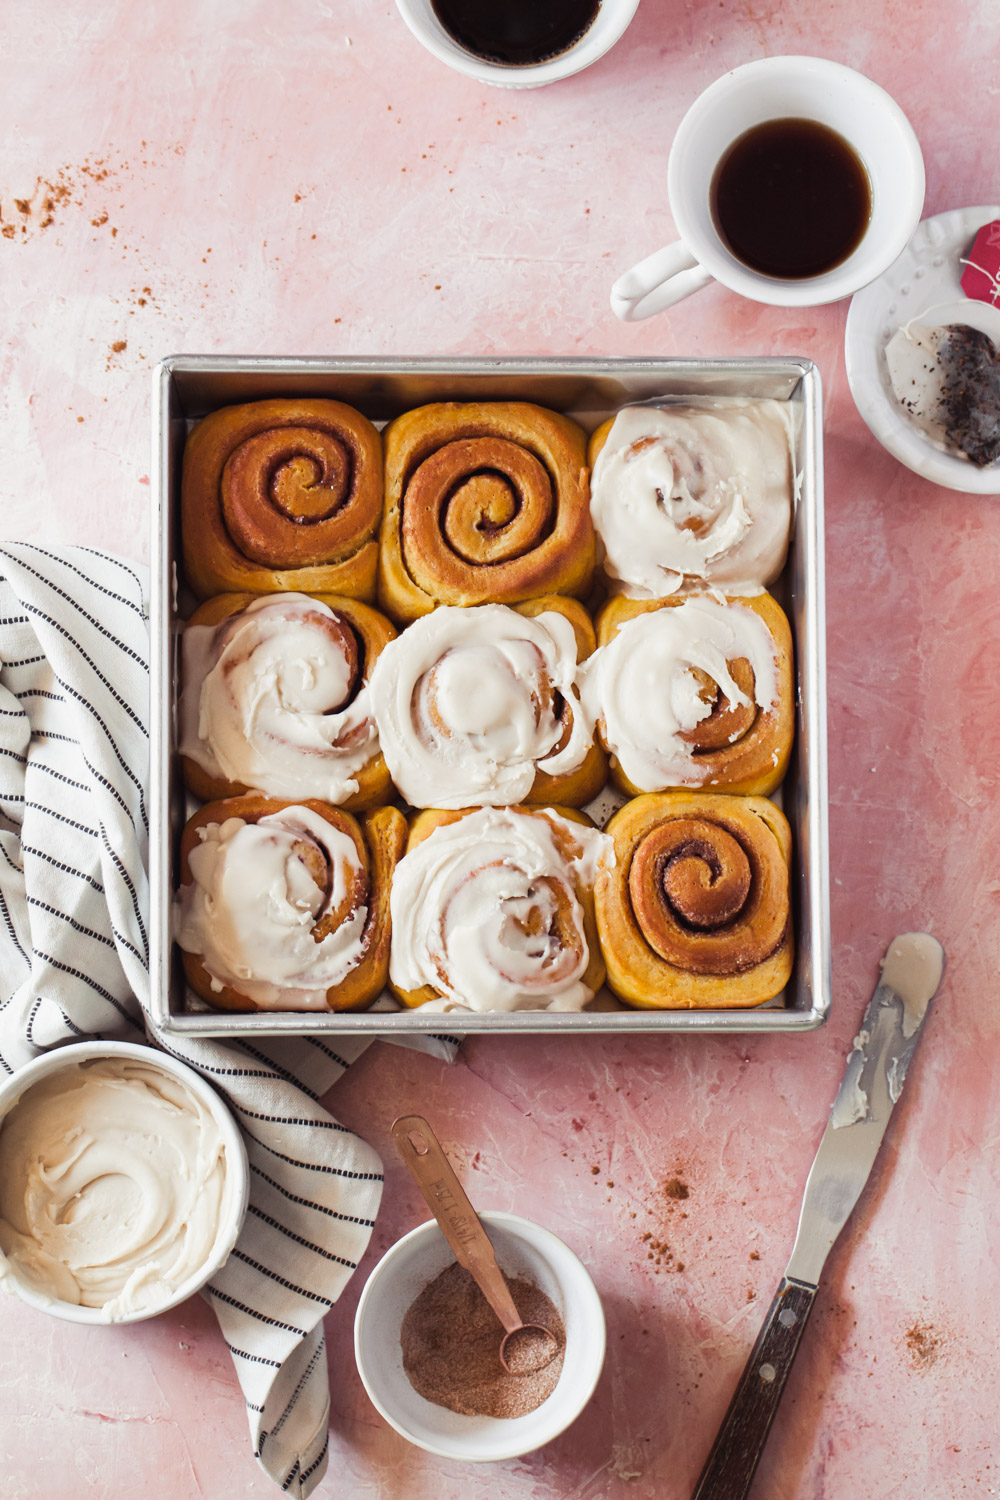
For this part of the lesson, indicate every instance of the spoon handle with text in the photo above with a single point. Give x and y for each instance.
(460, 1224)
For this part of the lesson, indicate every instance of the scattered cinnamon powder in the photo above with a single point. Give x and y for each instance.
(450, 1340)
(667, 1207)
(660, 1253)
(924, 1344)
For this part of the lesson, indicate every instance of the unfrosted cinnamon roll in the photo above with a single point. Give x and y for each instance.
(275, 699)
(285, 906)
(694, 913)
(280, 495)
(493, 910)
(696, 493)
(693, 691)
(479, 706)
(486, 501)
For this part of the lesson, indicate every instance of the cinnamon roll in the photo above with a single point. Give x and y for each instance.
(275, 699)
(486, 502)
(280, 495)
(493, 910)
(694, 913)
(479, 706)
(691, 493)
(693, 691)
(285, 906)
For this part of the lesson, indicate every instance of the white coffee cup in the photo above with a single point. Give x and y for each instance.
(810, 88)
(610, 23)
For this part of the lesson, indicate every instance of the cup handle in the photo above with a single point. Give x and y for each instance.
(662, 279)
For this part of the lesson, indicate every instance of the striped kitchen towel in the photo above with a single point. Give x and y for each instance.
(74, 821)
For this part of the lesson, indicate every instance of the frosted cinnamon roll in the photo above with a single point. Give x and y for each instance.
(486, 502)
(695, 910)
(688, 493)
(284, 906)
(695, 691)
(493, 910)
(283, 494)
(275, 699)
(479, 706)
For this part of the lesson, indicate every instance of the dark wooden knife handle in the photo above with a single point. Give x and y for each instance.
(732, 1463)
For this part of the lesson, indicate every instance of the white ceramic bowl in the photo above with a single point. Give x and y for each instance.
(609, 25)
(523, 1249)
(927, 275)
(237, 1170)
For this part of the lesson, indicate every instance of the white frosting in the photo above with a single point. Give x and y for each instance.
(463, 700)
(251, 909)
(264, 702)
(682, 493)
(912, 968)
(473, 911)
(911, 973)
(112, 1175)
(642, 686)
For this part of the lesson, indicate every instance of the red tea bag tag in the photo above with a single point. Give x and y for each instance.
(981, 277)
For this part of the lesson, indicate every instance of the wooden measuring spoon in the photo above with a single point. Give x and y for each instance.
(525, 1347)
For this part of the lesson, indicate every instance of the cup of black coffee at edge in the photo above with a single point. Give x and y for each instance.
(516, 33)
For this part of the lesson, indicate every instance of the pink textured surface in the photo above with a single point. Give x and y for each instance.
(305, 179)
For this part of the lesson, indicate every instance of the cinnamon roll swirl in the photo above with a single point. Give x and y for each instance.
(479, 706)
(285, 906)
(275, 699)
(280, 495)
(493, 910)
(694, 913)
(485, 502)
(693, 691)
(687, 493)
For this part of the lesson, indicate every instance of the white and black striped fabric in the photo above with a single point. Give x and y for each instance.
(74, 821)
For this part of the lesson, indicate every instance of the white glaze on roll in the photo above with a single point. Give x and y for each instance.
(465, 707)
(267, 702)
(642, 684)
(253, 904)
(474, 908)
(112, 1175)
(682, 493)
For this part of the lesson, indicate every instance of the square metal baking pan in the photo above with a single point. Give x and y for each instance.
(187, 387)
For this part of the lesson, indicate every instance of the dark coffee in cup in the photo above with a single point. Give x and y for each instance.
(791, 198)
(516, 33)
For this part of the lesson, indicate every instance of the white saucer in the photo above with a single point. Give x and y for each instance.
(927, 273)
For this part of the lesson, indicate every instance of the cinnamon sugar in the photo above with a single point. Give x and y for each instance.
(451, 1347)
(924, 1344)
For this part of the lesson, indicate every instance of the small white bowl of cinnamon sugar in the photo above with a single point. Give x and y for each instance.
(428, 1345)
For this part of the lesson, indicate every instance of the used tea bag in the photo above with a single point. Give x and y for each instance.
(945, 371)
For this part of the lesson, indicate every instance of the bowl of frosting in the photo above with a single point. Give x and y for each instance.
(123, 1182)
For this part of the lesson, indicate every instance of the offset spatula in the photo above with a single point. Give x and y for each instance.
(876, 1068)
